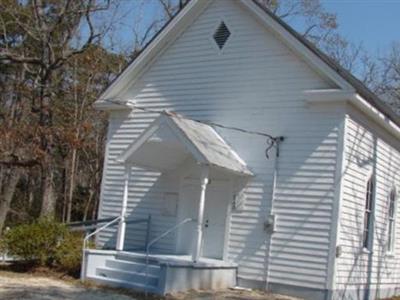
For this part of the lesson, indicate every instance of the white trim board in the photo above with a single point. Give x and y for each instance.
(187, 16)
(331, 96)
(165, 38)
(337, 205)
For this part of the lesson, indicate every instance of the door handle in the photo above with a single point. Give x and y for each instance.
(206, 224)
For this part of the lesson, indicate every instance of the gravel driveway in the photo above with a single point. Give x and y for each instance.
(17, 286)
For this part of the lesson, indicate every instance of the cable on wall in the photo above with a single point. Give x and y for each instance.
(272, 141)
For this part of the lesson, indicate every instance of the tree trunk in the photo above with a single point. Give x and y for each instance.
(95, 207)
(64, 192)
(71, 184)
(87, 206)
(48, 197)
(31, 193)
(2, 175)
(7, 195)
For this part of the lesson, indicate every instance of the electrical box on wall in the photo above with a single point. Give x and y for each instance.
(270, 223)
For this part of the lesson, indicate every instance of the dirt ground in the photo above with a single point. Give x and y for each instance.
(17, 286)
(31, 287)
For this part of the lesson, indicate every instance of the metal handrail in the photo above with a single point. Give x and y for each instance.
(152, 242)
(88, 222)
(87, 237)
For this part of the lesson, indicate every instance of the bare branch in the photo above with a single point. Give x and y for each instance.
(24, 164)
(5, 56)
(168, 8)
(309, 29)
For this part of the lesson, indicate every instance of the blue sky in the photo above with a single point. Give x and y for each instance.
(375, 23)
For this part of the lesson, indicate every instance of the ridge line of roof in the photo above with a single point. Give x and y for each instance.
(144, 48)
(360, 87)
(176, 119)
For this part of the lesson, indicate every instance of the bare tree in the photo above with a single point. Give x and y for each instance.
(320, 27)
(389, 85)
(55, 60)
(43, 44)
(318, 23)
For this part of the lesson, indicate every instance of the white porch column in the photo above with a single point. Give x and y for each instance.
(199, 228)
(122, 224)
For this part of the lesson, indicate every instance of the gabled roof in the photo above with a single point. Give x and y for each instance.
(304, 48)
(358, 85)
(182, 136)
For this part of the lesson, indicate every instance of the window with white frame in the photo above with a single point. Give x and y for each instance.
(368, 213)
(391, 220)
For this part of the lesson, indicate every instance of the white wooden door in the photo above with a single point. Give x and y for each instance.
(214, 222)
(215, 213)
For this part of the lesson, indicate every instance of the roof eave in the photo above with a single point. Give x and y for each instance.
(344, 76)
(111, 106)
(294, 41)
(164, 37)
(245, 172)
(355, 99)
(305, 49)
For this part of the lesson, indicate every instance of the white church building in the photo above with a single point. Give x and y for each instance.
(240, 155)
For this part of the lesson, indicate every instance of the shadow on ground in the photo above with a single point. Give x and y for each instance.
(19, 286)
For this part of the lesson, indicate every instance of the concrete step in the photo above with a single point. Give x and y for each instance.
(136, 257)
(123, 284)
(131, 266)
(128, 276)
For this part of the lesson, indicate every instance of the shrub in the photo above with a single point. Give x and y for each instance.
(2, 242)
(68, 255)
(45, 243)
(3, 248)
(36, 242)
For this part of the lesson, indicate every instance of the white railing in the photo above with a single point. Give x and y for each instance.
(86, 239)
(155, 240)
(93, 224)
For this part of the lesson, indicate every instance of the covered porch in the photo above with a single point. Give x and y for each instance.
(209, 176)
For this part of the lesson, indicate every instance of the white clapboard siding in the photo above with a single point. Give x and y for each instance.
(367, 146)
(254, 83)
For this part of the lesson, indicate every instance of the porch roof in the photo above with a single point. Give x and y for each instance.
(171, 139)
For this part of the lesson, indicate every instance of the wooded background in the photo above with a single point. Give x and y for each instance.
(56, 56)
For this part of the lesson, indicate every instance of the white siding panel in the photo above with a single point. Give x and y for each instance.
(254, 83)
(367, 147)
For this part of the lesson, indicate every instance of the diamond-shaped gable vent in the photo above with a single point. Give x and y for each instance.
(221, 35)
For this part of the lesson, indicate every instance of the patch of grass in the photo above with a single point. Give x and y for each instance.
(88, 284)
(30, 269)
